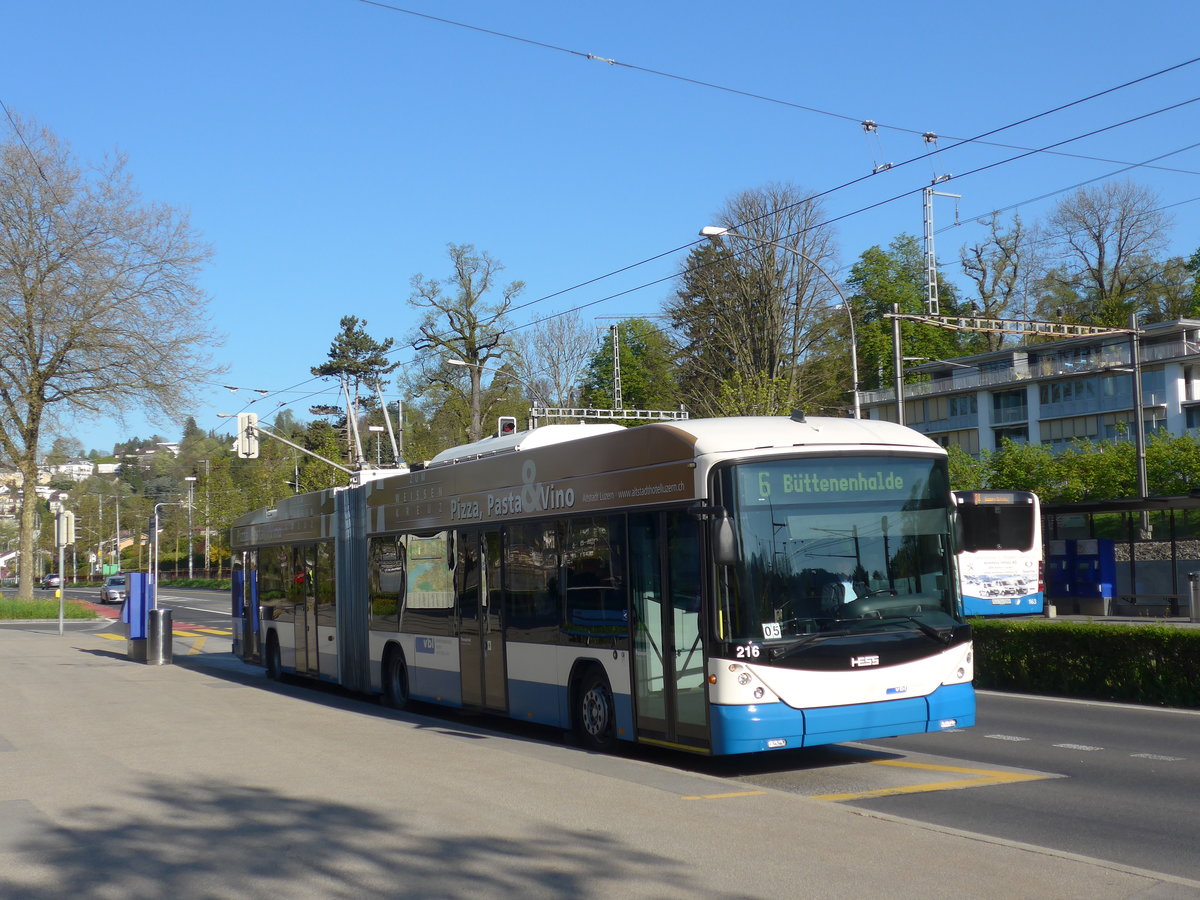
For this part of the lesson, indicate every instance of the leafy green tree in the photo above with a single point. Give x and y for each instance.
(1174, 294)
(881, 278)
(1097, 470)
(967, 472)
(1024, 467)
(320, 438)
(357, 361)
(647, 369)
(1172, 463)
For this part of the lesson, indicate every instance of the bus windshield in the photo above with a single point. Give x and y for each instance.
(834, 545)
(997, 527)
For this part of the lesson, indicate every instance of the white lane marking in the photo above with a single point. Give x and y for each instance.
(1156, 756)
(193, 608)
(1006, 737)
(1085, 747)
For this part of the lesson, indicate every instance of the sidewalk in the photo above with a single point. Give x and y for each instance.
(205, 780)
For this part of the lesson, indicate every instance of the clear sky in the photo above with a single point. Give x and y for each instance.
(330, 149)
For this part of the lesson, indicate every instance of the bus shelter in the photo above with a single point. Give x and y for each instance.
(1152, 545)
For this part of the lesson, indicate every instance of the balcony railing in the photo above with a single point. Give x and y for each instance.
(1010, 415)
(950, 423)
(1041, 368)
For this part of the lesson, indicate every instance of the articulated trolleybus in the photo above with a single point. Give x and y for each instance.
(1000, 553)
(719, 586)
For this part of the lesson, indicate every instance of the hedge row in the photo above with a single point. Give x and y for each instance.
(1155, 665)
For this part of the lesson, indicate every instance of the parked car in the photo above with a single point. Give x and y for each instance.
(113, 589)
(52, 581)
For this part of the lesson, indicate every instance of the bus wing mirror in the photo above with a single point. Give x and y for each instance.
(724, 541)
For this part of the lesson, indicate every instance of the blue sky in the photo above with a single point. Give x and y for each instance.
(331, 149)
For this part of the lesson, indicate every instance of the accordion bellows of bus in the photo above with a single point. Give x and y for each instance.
(714, 585)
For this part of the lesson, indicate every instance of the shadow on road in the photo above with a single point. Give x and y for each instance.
(226, 840)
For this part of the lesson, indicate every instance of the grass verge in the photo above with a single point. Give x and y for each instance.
(43, 609)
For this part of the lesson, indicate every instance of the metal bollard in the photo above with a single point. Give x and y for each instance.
(1194, 595)
(158, 638)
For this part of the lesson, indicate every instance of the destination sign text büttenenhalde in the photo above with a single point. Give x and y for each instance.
(810, 483)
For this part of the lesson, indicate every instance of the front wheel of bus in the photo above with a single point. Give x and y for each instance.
(395, 681)
(595, 716)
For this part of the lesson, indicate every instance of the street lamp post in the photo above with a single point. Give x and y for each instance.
(191, 480)
(712, 232)
(155, 550)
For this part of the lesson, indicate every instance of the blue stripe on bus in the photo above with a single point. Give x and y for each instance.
(983, 606)
(533, 701)
(547, 704)
(775, 726)
(952, 701)
(435, 685)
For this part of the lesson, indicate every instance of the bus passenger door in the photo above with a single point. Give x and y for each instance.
(305, 586)
(480, 638)
(669, 657)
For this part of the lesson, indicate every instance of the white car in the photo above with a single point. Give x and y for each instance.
(113, 589)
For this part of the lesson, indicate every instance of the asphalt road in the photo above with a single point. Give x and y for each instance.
(1127, 787)
(1102, 780)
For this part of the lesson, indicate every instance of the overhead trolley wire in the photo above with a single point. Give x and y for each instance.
(857, 120)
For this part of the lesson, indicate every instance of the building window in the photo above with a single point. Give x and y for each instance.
(1009, 406)
(1016, 435)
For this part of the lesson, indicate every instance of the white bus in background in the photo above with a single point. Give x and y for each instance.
(1000, 560)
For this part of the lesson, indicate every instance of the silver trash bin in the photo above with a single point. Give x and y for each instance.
(159, 638)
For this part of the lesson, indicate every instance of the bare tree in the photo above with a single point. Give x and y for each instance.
(461, 323)
(1002, 269)
(1109, 237)
(100, 312)
(553, 356)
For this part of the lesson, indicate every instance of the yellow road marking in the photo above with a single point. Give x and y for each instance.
(982, 777)
(113, 637)
(196, 647)
(219, 631)
(179, 632)
(724, 796)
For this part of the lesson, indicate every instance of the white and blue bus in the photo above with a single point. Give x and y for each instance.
(719, 586)
(1000, 553)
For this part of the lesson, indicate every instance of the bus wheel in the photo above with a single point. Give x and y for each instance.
(395, 680)
(274, 658)
(595, 714)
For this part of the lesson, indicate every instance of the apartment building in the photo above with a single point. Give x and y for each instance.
(1053, 392)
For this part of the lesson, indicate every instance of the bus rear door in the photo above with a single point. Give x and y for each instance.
(480, 635)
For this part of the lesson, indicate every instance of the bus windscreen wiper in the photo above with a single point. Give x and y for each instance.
(941, 635)
(781, 651)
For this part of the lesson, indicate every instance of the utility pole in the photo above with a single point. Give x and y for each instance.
(618, 403)
(931, 280)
